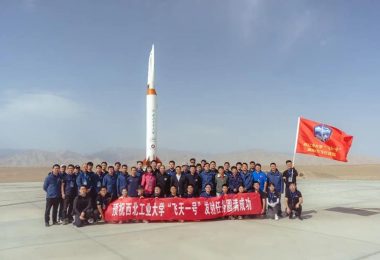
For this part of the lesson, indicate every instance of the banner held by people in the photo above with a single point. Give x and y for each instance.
(322, 140)
(155, 209)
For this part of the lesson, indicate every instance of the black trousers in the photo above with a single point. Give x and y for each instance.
(51, 202)
(297, 211)
(68, 204)
(60, 208)
(87, 214)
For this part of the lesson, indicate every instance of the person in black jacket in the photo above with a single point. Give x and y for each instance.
(163, 181)
(194, 179)
(179, 181)
(83, 208)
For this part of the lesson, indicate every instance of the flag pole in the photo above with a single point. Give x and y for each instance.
(295, 144)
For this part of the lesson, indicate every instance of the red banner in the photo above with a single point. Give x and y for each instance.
(322, 140)
(183, 209)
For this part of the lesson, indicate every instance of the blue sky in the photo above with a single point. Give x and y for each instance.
(230, 75)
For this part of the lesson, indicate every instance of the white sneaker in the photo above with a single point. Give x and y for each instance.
(276, 217)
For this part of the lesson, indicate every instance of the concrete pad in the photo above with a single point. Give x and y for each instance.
(342, 221)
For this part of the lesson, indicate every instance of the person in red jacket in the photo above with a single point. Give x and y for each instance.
(148, 182)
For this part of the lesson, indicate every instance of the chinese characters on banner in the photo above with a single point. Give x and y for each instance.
(183, 209)
(322, 140)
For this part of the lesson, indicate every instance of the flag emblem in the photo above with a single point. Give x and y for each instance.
(322, 132)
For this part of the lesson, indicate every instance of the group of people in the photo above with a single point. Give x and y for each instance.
(81, 194)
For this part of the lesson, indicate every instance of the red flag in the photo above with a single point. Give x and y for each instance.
(322, 140)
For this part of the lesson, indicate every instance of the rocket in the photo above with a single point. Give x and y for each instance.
(151, 114)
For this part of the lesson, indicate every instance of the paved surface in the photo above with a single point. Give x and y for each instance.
(342, 221)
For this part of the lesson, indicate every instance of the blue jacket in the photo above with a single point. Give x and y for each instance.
(171, 172)
(52, 186)
(207, 178)
(132, 185)
(276, 179)
(247, 180)
(121, 183)
(260, 177)
(234, 182)
(205, 195)
(97, 181)
(110, 182)
(85, 179)
(71, 187)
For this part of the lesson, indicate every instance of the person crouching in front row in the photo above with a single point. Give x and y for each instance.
(293, 200)
(83, 208)
(273, 202)
(102, 201)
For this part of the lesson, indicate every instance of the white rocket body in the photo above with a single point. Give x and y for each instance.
(151, 113)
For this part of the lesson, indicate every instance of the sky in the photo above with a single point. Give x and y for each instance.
(230, 75)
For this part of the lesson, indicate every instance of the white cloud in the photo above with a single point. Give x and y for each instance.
(41, 106)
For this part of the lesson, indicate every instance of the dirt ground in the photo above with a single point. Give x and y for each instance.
(337, 172)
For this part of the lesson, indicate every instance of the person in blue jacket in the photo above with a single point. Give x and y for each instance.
(275, 177)
(69, 191)
(246, 176)
(52, 187)
(110, 182)
(207, 192)
(121, 182)
(207, 177)
(234, 180)
(171, 171)
(259, 176)
(98, 178)
(133, 183)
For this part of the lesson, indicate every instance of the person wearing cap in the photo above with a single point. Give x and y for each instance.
(83, 210)
(110, 182)
(69, 191)
(133, 182)
(260, 176)
(52, 187)
(293, 201)
(121, 181)
(194, 179)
